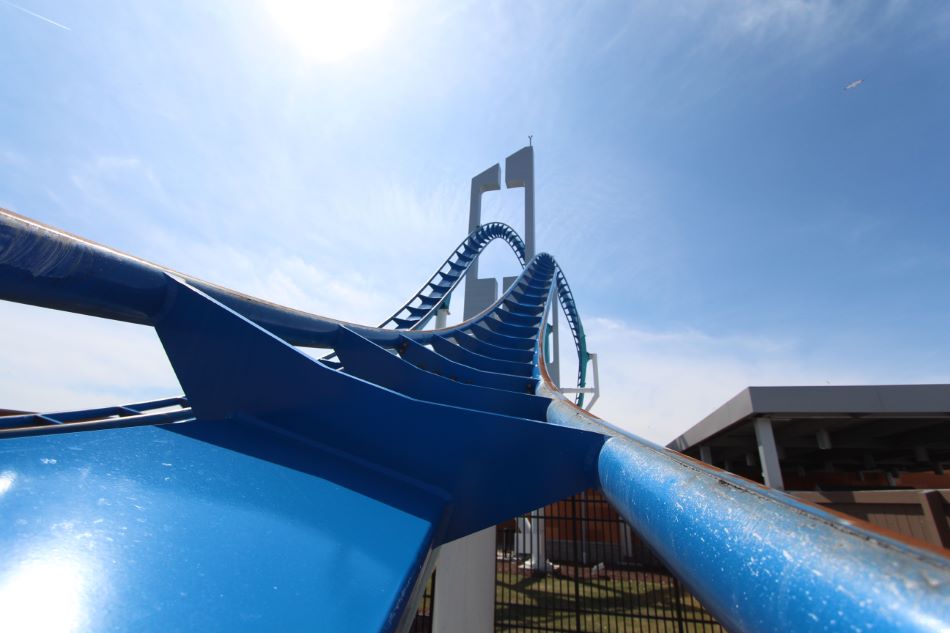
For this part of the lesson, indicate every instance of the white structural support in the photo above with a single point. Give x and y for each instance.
(768, 454)
(519, 172)
(441, 317)
(554, 369)
(529, 541)
(626, 540)
(465, 570)
(465, 585)
(595, 389)
(480, 292)
(596, 373)
(523, 531)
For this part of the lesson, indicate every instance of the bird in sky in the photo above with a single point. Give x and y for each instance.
(854, 84)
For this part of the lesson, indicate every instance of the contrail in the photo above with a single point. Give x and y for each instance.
(35, 15)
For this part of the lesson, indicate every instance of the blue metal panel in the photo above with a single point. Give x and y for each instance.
(424, 358)
(232, 369)
(518, 319)
(511, 328)
(530, 293)
(142, 529)
(484, 333)
(365, 359)
(474, 359)
(520, 308)
(472, 344)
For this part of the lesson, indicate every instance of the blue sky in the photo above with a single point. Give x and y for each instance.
(727, 214)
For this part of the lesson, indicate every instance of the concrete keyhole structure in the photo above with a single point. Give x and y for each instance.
(480, 293)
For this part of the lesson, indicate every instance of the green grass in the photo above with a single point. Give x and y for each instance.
(623, 602)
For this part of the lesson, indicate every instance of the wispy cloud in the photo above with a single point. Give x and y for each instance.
(658, 383)
(781, 15)
(356, 259)
(36, 15)
(99, 178)
(57, 360)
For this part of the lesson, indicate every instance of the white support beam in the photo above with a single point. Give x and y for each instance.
(594, 368)
(554, 369)
(465, 569)
(519, 172)
(480, 292)
(539, 556)
(768, 454)
(441, 317)
(465, 585)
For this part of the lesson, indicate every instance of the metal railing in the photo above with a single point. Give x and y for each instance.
(597, 576)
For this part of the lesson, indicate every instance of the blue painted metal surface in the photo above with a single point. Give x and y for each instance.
(141, 529)
(763, 561)
(43, 266)
(279, 465)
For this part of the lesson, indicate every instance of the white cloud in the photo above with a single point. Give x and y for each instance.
(381, 247)
(659, 383)
(786, 35)
(288, 279)
(780, 15)
(98, 178)
(57, 360)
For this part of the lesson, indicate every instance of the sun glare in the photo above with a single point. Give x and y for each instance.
(44, 594)
(328, 31)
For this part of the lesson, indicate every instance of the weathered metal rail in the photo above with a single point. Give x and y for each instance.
(269, 484)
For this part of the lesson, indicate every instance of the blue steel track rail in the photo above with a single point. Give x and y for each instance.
(422, 306)
(436, 292)
(279, 464)
(416, 312)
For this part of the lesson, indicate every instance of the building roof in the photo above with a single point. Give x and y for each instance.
(884, 423)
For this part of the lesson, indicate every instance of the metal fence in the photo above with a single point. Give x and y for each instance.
(423, 620)
(576, 566)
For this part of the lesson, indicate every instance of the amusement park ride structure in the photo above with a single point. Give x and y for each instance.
(255, 500)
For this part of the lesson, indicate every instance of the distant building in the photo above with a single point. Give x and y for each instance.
(875, 452)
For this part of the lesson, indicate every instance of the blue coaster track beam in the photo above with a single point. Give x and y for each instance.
(282, 462)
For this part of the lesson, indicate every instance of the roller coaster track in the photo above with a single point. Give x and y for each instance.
(422, 306)
(286, 493)
(416, 312)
